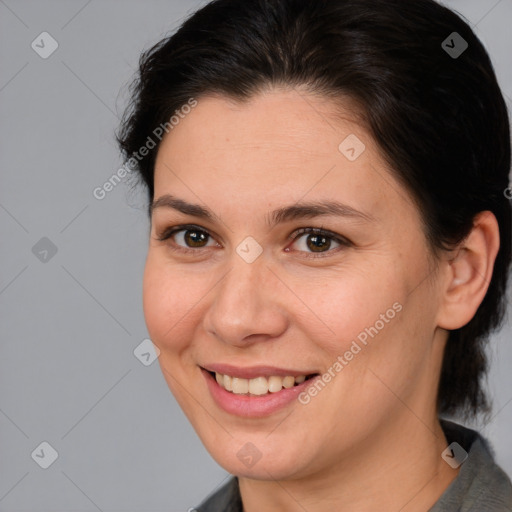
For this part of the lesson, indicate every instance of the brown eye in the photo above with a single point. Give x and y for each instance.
(195, 238)
(317, 243)
(187, 238)
(317, 240)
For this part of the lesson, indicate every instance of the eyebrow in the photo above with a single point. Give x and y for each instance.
(300, 210)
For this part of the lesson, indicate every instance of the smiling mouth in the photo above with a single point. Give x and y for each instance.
(258, 386)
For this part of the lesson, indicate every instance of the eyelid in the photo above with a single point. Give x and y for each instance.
(167, 233)
(317, 231)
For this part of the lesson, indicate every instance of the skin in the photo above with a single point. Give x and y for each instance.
(371, 436)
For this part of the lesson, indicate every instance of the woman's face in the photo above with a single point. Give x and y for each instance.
(250, 293)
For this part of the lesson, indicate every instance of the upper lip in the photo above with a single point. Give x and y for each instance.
(251, 372)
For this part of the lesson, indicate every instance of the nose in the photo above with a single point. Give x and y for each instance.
(245, 307)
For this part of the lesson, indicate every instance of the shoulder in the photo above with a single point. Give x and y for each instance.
(226, 499)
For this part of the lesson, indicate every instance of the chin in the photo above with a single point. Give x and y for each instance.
(260, 459)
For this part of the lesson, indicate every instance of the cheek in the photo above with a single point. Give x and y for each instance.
(169, 298)
(387, 360)
(359, 326)
(348, 304)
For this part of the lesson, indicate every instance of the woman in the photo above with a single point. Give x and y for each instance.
(329, 248)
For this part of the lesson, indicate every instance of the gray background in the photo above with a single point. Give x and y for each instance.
(70, 324)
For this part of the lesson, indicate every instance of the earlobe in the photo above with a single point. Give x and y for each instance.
(469, 273)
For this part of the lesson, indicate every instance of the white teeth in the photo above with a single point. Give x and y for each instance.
(227, 384)
(275, 384)
(288, 382)
(239, 386)
(257, 386)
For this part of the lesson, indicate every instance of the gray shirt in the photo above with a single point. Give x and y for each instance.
(480, 486)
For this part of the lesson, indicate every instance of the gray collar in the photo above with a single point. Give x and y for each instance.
(480, 486)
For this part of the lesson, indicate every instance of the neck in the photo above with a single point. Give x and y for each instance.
(399, 468)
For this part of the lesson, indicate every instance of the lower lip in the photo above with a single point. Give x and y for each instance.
(253, 406)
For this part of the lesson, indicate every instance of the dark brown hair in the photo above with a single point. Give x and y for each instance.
(439, 118)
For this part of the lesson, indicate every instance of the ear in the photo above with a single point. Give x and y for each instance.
(469, 273)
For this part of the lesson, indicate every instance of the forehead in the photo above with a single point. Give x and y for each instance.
(279, 146)
(289, 124)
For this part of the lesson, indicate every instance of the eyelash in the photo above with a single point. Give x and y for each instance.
(169, 232)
